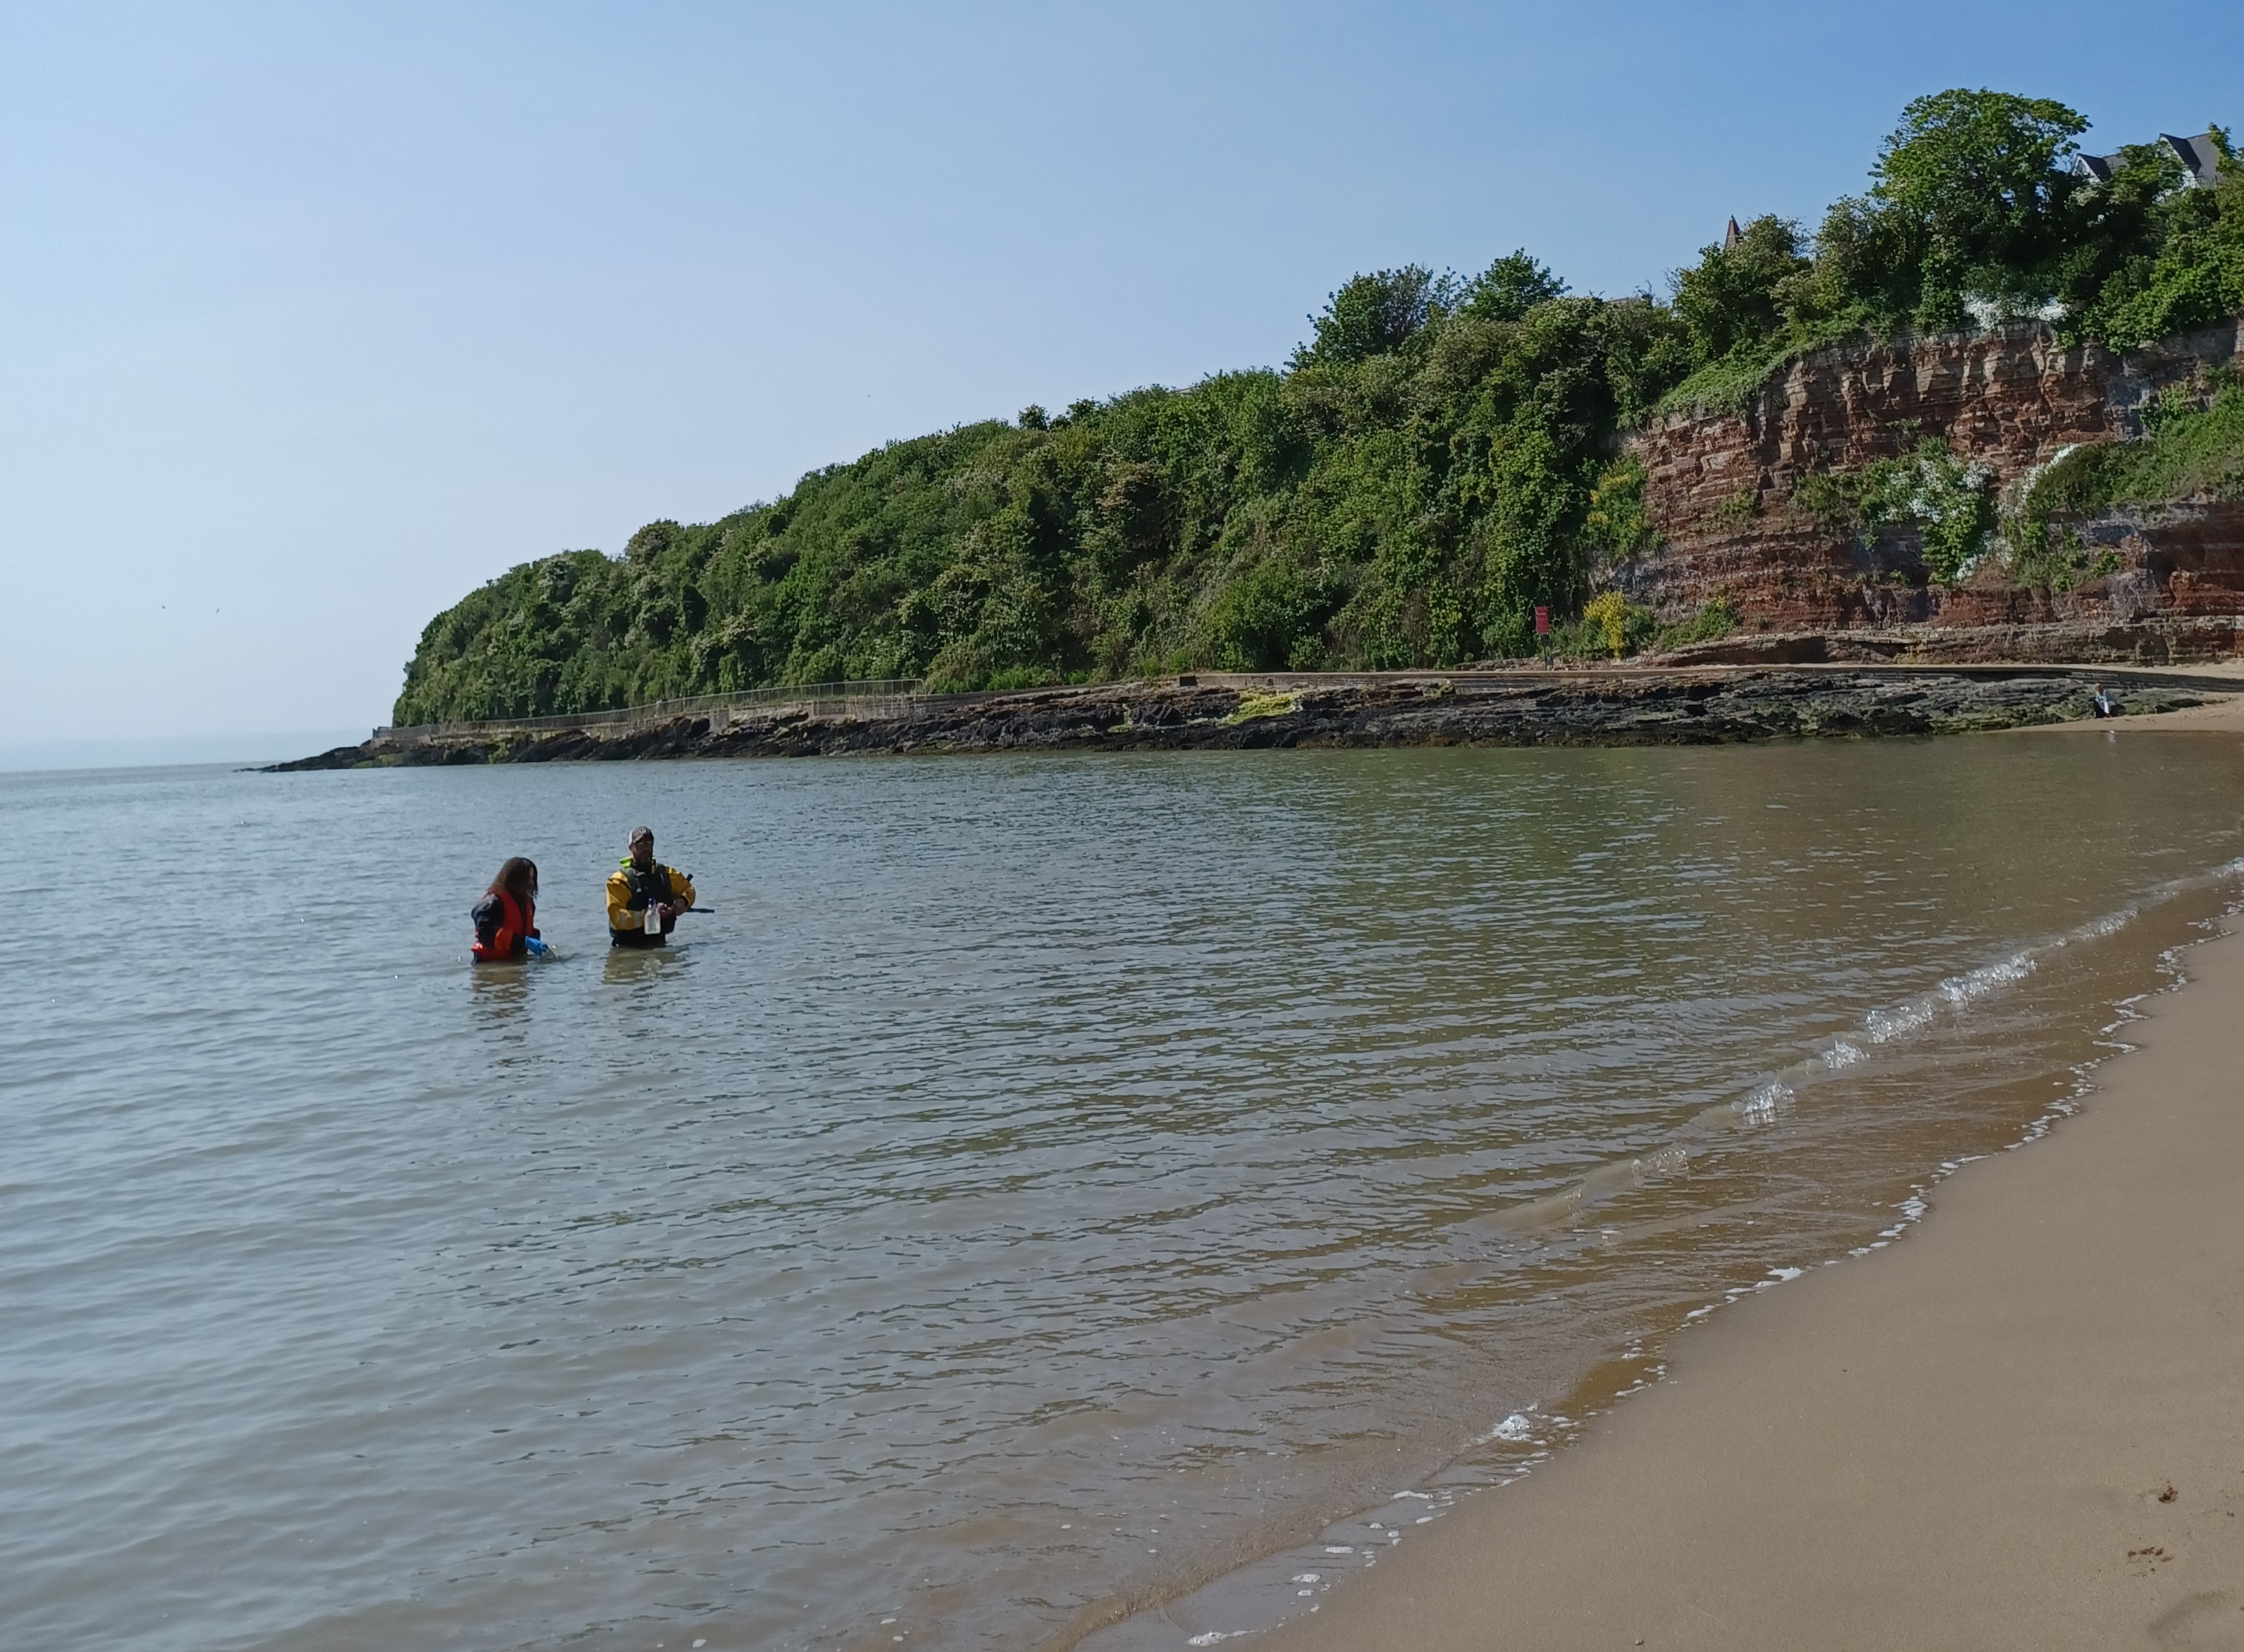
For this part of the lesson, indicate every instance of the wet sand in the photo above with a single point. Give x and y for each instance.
(2022, 1426)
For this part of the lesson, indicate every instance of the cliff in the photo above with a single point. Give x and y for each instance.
(1775, 512)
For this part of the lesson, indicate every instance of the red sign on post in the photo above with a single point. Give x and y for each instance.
(1541, 621)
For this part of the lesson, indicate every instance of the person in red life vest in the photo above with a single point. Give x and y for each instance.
(506, 917)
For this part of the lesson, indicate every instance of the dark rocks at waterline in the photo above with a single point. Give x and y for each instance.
(1598, 709)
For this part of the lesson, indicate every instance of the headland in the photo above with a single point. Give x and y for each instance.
(1906, 429)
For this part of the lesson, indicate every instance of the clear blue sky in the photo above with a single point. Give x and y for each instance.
(318, 315)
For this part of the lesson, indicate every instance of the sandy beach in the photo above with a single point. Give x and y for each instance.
(2018, 1427)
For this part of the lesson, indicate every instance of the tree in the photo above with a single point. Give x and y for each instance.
(2152, 256)
(1975, 189)
(1376, 314)
(1507, 289)
(1737, 298)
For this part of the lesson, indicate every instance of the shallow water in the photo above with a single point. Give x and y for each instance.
(1040, 1185)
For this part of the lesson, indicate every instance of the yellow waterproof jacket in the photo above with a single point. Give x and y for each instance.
(622, 914)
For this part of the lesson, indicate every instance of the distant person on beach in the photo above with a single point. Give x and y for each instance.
(506, 917)
(645, 896)
(2105, 705)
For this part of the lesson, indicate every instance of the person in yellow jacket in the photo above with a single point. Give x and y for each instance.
(645, 896)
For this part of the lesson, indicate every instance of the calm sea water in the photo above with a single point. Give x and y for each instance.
(1039, 1188)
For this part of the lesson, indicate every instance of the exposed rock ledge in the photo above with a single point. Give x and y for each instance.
(1689, 706)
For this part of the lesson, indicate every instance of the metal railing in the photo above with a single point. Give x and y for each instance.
(878, 697)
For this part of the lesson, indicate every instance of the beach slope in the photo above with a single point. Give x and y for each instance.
(2022, 1426)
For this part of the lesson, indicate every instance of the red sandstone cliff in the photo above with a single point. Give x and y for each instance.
(1719, 492)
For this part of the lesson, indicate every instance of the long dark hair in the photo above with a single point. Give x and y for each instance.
(518, 878)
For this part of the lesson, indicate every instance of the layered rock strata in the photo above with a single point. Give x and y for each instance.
(1722, 490)
(2167, 639)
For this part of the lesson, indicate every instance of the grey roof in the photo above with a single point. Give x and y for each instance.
(2200, 159)
(2198, 156)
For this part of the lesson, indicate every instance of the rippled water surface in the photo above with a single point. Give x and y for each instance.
(1039, 1186)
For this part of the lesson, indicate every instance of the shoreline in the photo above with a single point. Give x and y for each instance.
(2014, 1428)
(1688, 705)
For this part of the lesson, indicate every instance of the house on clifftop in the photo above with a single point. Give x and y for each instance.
(2200, 160)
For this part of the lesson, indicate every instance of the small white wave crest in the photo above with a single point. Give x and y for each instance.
(1881, 1028)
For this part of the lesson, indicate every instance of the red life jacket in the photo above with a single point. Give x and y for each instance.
(517, 923)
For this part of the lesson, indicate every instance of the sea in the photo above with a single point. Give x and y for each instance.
(1042, 1200)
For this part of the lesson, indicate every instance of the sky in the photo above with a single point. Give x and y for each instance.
(318, 317)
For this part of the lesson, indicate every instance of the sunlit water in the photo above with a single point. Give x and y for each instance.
(1038, 1187)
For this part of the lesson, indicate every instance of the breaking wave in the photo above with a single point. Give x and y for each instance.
(1880, 1031)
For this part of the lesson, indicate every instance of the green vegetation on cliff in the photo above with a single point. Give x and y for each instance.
(1438, 458)
(2188, 451)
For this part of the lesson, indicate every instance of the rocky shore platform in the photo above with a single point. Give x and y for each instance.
(1701, 705)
